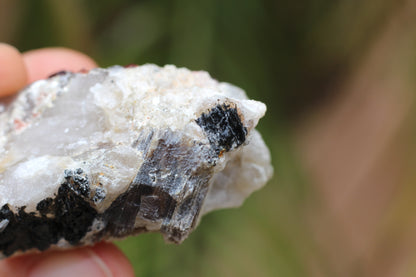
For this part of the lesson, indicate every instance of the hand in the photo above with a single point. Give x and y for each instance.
(103, 259)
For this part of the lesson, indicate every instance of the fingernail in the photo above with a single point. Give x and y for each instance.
(80, 262)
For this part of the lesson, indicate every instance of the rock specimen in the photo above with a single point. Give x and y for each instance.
(96, 156)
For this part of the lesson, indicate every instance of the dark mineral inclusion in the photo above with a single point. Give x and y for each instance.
(71, 213)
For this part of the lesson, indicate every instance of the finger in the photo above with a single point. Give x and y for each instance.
(12, 70)
(114, 259)
(43, 62)
(103, 259)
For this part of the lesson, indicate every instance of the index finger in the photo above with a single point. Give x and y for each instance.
(12, 70)
(41, 63)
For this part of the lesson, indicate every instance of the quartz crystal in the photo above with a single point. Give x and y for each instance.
(94, 156)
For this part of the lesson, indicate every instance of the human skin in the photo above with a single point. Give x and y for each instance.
(104, 259)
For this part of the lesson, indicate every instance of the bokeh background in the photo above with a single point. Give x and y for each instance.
(338, 77)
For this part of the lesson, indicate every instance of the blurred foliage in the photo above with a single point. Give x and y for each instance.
(284, 53)
(276, 50)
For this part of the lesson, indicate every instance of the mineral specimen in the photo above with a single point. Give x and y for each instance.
(101, 155)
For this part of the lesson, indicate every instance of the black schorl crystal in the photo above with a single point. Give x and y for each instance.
(223, 127)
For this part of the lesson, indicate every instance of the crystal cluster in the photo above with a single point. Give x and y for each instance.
(94, 156)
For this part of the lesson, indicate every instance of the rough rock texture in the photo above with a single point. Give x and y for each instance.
(95, 156)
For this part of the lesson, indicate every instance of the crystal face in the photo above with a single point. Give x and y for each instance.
(102, 155)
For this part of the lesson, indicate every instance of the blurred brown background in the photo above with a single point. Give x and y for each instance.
(339, 81)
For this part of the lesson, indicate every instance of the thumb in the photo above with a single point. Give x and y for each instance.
(103, 259)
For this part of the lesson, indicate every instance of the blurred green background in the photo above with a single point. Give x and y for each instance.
(301, 58)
